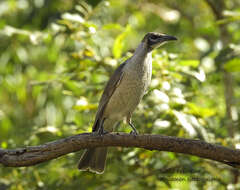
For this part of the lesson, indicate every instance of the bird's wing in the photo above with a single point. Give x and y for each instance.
(111, 86)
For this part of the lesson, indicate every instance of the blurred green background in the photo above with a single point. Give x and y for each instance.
(56, 56)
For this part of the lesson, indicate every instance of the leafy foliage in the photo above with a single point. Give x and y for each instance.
(56, 57)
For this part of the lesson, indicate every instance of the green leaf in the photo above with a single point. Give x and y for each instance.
(233, 65)
(112, 26)
(119, 42)
(192, 63)
(4, 144)
(2, 24)
(200, 111)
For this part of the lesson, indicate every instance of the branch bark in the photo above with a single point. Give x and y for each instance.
(36, 154)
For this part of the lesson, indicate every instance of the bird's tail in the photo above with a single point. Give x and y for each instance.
(94, 160)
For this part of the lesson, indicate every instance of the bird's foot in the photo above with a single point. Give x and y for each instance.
(101, 132)
(134, 132)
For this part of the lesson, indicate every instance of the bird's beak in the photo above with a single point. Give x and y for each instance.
(163, 39)
(168, 38)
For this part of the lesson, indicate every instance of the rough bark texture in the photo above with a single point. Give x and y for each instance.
(36, 154)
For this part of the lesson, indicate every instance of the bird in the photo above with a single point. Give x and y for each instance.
(123, 92)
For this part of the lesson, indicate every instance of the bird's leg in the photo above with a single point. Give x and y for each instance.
(101, 129)
(117, 126)
(129, 121)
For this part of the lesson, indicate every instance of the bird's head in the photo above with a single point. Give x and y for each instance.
(153, 40)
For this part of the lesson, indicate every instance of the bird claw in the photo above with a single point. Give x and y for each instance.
(134, 132)
(102, 132)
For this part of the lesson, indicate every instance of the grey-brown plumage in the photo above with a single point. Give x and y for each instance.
(121, 96)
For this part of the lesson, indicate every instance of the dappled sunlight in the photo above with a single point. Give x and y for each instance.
(57, 56)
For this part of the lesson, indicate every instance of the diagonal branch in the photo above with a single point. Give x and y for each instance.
(217, 7)
(36, 154)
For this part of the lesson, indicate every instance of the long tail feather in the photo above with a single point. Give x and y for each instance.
(94, 160)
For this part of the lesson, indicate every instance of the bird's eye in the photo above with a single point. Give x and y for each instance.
(153, 37)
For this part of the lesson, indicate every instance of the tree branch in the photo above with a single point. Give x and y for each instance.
(217, 7)
(36, 154)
